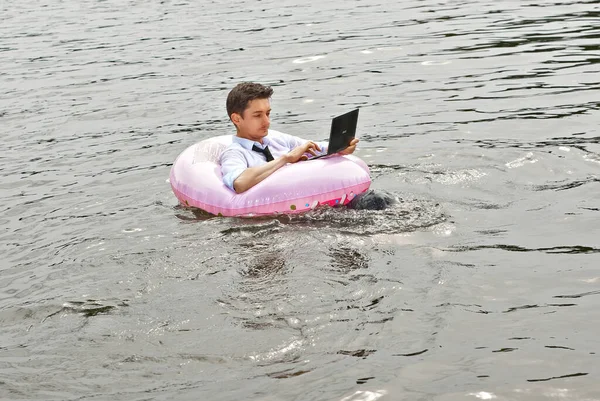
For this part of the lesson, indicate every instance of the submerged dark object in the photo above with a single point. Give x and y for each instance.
(372, 200)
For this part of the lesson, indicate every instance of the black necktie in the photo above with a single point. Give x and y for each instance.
(264, 151)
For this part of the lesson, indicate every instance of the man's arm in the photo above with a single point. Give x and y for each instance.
(253, 175)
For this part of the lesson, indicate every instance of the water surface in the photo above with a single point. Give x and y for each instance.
(483, 283)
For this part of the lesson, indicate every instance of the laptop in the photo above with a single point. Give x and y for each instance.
(343, 130)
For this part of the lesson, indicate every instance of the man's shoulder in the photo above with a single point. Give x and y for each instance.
(234, 145)
(278, 134)
(234, 150)
(275, 133)
(280, 137)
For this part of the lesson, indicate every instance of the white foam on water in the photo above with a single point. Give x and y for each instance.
(444, 230)
(308, 100)
(592, 158)
(395, 239)
(564, 149)
(366, 52)
(132, 230)
(389, 48)
(484, 395)
(380, 150)
(365, 396)
(528, 158)
(307, 59)
(557, 392)
(456, 177)
(431, 62)
(560, 393)
(278, 353)
(168, 181)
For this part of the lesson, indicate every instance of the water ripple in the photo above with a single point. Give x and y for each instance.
(479, 117)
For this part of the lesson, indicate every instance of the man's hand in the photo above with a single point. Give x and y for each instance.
(350, 149)
(299, 152)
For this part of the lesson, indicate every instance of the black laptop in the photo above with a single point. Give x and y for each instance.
(343, 131)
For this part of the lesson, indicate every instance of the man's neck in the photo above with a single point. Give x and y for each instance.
(250, 139)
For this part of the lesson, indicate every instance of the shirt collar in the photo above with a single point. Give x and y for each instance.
(247, 143)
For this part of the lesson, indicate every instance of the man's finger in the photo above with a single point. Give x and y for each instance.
(311, 144)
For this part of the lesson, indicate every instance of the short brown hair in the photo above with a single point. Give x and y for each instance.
(243, 93)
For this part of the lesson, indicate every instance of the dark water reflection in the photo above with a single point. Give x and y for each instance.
(481, 283)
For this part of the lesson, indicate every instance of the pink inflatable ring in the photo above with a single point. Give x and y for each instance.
(295, 188)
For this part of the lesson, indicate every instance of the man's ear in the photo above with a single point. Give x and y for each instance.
(235, 118)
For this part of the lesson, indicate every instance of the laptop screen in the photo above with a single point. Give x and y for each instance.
(343, 130)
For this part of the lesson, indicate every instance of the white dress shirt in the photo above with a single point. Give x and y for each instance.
(239, 155)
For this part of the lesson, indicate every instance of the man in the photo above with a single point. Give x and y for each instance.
(256, 152)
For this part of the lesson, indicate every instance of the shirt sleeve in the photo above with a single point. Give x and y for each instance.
(233, 163)
(324, 147)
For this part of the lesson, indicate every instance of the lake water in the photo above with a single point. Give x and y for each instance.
(483, 283)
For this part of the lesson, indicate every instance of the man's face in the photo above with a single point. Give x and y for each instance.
(254, 122)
